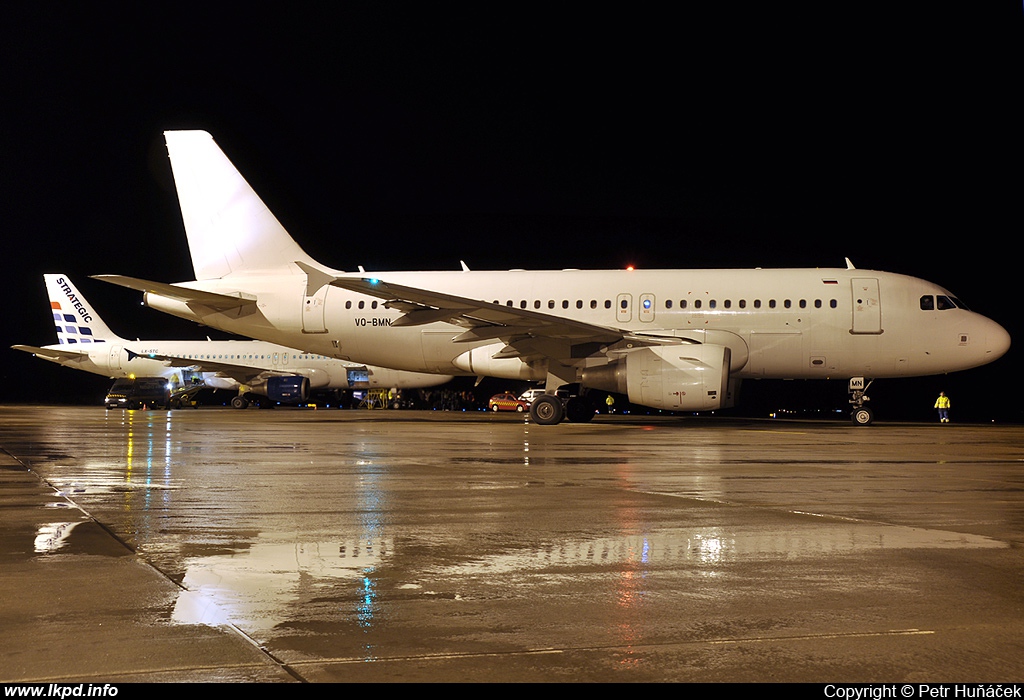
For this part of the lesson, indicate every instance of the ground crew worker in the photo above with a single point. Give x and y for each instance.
(610, 402)
(942, 404)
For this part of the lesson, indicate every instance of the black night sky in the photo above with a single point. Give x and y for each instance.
(512, 136)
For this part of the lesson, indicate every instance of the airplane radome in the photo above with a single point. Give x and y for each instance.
(678, 340)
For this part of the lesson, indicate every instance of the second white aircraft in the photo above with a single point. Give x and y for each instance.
(258, 371)
(678, 340)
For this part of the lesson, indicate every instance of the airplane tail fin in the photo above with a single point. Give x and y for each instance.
(76, 320)
(229, 228)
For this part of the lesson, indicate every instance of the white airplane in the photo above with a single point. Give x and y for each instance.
(254, 368)
(678, 340)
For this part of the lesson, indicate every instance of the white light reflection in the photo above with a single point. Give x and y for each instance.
(709, 548)
(257, 588)
(53, 536)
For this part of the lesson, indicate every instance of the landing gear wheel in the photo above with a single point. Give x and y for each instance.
(547, 410)
(862, 416)
(579, 411)
(239, 402)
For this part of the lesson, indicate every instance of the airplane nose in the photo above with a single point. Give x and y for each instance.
(997, 341)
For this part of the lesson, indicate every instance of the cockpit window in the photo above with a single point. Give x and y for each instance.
(940, 302)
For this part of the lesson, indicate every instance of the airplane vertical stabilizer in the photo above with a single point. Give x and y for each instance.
(76, 320)
(229, 228)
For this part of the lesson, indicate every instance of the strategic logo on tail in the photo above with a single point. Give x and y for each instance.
(73, 316)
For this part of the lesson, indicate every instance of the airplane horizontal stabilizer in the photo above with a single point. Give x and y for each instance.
(212, 300)
(54, 354)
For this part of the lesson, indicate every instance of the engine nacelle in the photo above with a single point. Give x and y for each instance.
(220, 382)
(669, 377)
(288, 389)
(487, 361)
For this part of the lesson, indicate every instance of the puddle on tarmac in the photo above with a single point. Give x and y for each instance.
(256, 588)
(52, 537)
(251, 588)
(717, 546)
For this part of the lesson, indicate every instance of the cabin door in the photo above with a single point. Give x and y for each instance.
(867, 307)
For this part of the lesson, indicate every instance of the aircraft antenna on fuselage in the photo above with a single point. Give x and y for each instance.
(850, 265)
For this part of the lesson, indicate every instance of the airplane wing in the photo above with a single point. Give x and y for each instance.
(212, 300)
(483, 319)
(526, 333)
(240, 373)
(54, 354)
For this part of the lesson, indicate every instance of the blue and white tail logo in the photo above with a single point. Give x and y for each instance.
(73, 316)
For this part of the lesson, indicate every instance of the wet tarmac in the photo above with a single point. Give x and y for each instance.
(348, 546)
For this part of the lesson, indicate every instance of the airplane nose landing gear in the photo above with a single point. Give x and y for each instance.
(861, 414)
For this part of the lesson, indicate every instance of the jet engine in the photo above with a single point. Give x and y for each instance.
(670, 377)
(288, 389)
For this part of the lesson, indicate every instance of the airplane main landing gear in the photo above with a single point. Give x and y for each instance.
(579, 410)
(861, 414)
(547, 410)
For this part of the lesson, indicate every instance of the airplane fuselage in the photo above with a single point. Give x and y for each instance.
(125, 358)
(777, 323)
